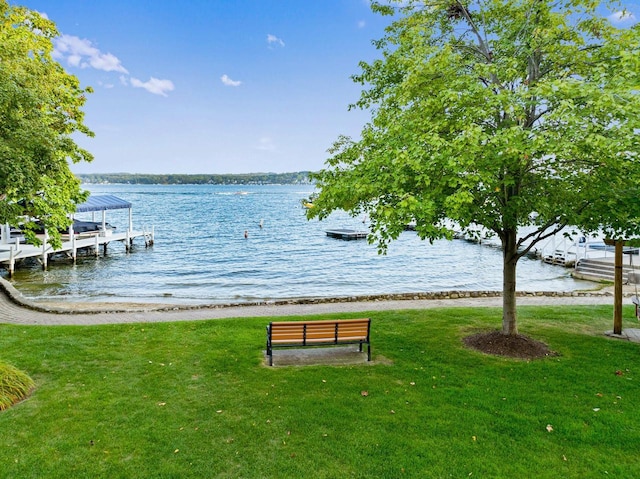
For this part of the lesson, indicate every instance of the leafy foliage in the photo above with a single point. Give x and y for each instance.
(504, 114)
(40, 110)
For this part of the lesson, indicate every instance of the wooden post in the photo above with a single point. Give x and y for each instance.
(12, 262)
(617, 291)
(44, 250)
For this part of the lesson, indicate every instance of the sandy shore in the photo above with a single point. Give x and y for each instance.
(599, 290)
(15, 309)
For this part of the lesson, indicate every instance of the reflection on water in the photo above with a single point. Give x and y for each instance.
(201, 255)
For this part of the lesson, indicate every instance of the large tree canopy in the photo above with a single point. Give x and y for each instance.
(40, 109)
(518, 115)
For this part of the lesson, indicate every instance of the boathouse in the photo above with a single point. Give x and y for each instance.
(81, 235)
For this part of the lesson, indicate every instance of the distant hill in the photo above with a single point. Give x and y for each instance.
(297, 178)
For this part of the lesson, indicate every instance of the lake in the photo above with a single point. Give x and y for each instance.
(201, 254)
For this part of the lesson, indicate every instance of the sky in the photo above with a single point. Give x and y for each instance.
(218, 86)
(214, 86)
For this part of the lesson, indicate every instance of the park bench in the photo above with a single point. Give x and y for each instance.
(298, 334)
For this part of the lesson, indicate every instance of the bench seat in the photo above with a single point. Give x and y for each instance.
(290, 334)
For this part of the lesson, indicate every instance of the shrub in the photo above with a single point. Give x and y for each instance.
(14, 386)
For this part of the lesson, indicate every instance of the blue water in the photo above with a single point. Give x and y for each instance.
(201, 255)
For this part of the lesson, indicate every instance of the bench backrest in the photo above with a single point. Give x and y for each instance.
(324, 331)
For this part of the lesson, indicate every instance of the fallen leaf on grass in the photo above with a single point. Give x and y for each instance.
(549, 428)
(364, 393)
(162, 404)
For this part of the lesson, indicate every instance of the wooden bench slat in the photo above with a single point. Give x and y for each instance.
(318, 333)
(321, 321)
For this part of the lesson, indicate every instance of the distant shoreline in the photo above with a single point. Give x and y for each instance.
(294, 178)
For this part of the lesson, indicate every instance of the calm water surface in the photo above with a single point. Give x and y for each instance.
(201, 256)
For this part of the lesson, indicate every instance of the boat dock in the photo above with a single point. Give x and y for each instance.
(347, 234)
(88, 236)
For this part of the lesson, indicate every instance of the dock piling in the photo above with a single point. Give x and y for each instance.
(12, 262)
(45, 256)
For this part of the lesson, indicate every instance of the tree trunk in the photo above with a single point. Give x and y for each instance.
(510, 259)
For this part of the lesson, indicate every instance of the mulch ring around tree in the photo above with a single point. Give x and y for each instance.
(517, 346)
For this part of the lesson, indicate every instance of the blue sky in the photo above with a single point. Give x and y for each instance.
(217, 86)
(214, 86)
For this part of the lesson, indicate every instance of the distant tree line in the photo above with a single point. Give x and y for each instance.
(300, 177)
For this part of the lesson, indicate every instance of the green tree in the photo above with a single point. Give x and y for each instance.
(40, 110)
(515, 115)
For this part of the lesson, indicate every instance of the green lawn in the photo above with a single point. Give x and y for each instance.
(194, 399)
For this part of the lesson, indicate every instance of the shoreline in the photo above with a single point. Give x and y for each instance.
(18, 313)
(69, 307)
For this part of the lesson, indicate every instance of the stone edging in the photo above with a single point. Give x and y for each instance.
(17, 298)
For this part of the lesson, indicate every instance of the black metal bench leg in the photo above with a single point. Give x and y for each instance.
(368, 352)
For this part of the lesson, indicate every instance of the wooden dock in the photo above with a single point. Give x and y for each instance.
(89, 235)
(347, 234)
(13, 253)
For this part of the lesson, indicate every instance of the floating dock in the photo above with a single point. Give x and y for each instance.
(347, 234)
(14, 250)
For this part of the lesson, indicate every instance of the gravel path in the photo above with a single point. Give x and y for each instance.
(15, 309)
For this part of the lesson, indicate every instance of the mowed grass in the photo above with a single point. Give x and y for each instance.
(195, 399)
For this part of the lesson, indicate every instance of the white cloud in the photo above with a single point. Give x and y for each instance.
(623, 16)
(265, 144)
(79, 52)
(154, 85)
(272, 39)
(362, 24)
(229, 82)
